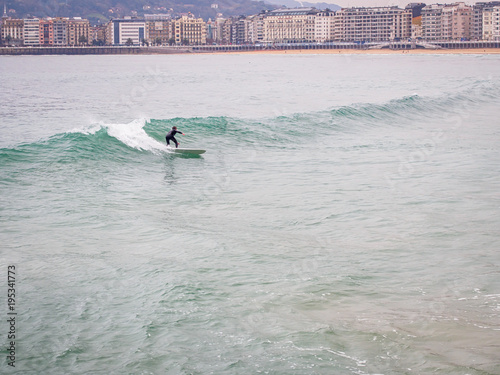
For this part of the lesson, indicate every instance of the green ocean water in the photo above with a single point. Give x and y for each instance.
(344, 219)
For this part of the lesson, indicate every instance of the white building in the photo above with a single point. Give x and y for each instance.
(477, 18)
(374, 24)
(31, 32)
(324, 26)
(256, 28)
(491, 23)
(124, 31)
(289, 25)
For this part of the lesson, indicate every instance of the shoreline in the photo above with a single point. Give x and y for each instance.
(43, 51)
(381, 51)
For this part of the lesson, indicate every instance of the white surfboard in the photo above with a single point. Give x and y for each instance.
(191, 151)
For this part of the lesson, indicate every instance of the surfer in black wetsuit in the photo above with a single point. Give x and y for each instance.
(170, 136)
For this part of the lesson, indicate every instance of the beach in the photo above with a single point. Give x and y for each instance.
(231, 49)
(378, 51)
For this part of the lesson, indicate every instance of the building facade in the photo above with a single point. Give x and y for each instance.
(159, 32)
(127, 31)
(324, 26)
(46, 32)
(78, 32)
(189, 30)
(374, 24)
(477, 18)
(447, 22)
(431, 22)
(491, 23)
(13, 31)
(60, 26)
(159, 29)
(31, 32)
(289, 25)
(434, 22)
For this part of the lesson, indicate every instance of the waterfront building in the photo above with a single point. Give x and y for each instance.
(496, 23)
(462, 22)
(78, 31)
(416, 28)
(477, 18)
(431, 22)
(190, 30)
(375, 24)
(324, 26)
(487, 24)
(446, 22)
(456, 21)
(227, 31)
(256, 28)
(4, 17)
(416, 21)
(46, 32)
(215, 30)
(98, 35)
(491, 23)
(60, 29)
(159, 31)
(289, 25)
(211, 31)
(240, 30)
(121, 32)
(13, 31)
(31, 32)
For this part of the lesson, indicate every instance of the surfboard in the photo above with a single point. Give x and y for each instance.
(191, 151)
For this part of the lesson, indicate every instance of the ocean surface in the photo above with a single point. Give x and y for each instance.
(345, 218)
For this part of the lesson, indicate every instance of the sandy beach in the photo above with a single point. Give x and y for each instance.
(381, 51)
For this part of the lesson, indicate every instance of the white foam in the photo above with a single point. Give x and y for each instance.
(90, 129)
(133, 135)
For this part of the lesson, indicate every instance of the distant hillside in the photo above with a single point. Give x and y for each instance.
(103, 10)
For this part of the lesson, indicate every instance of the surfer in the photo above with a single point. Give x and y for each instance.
(170, 136)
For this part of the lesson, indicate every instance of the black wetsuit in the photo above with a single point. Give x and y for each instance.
(170, 137)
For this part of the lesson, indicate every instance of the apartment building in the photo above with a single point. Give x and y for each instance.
(496, 23)
(46, 32)
(461, 22)
(13, 31)
(456, 22)
(227, 31)
(31, 32)
(256, 28)
(158, 28)
(477, 18)
(289, 25)
(431, 22)
(447, 22)
(324, 26)
(242, 28)
(159, 32)
(491, 23)
(60, 27)
(78, 31)
(188, 29)
(374, 24)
